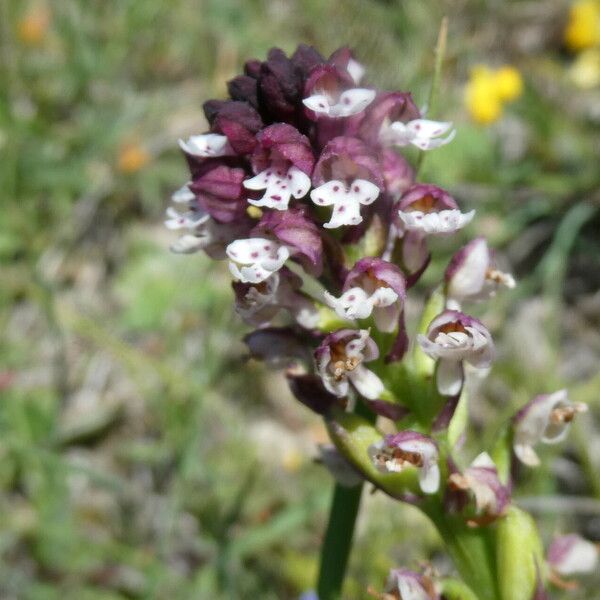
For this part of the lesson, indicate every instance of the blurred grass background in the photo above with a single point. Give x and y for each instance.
(141, 455)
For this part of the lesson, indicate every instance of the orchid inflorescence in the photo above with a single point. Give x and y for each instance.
(300, 185)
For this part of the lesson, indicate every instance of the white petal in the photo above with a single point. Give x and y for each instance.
(483, 460)
(468, 279)
(386, 317)
(319, 103)
(449, 377)
(410, 589)
(444, 221)
(188, 244)
(581, 558)
(206, 145)
(280, 186)
(427, 128)
(250, 250)
(429, 478)
(329, 193)
(366, 382)
(183, 195)
(353, 304)
(299, 182)
(364, 191)
(351, 102)
(356, 70)
(527, 455)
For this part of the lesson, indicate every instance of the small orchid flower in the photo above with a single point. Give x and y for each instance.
(571, 554)
(183, 195)
(343, 58)
(188, 220)
(346, 177)
(454, 338)
(283, 161)
(427, 209)
(258, 258)
(329, 93)
(373, 286)
(422, 133)
(544, 419)
(481, 479)
(258, 304)
(339, 360)
(408, 449)
(472, 276)
(207, 145)
(403, 584)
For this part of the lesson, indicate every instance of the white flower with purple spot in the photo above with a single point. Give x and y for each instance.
(345, 199)
(444, 221)
(404, 584)
(188, 220)
(571, 555)
(334, 105)
(183, 195)
(255, 259)
(422, 133)
(339, 360)
(545, 419)
(453, 338)
(407, 450)
(280, 186)
(207, 145)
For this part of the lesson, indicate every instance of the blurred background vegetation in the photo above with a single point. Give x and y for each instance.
(141, 454)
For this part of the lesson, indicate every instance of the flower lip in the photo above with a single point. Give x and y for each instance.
(207, 145)
(545, 419)
(339, 360)
(405, 449)
(253, 260)
(571, 554)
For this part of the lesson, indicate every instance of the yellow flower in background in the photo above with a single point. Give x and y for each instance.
(488, 90)
(32, 28)
(132, 158)
(585, 71)
(583, 28)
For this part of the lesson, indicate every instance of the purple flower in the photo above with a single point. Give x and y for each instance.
(346, 176)
(283, 161)
(339, 360)
(481, 480)
(408, 585)
(409, 450)
(344, 59)
(471, 275)
(545, 419)
(398, 175)
(454, 338)
(330, 92)
(428, 210)
(372, 286)
(571, 554)
(259, 303)
(294, 229)
(238, 121)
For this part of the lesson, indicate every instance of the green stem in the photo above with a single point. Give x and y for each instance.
(337, 544)
(440, 52)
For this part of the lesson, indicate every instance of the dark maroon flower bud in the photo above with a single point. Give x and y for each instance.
(237, 120)
(398, 175)
(252, 68)
(219, 191)
(278, 346)
(243, 87)
(279, 87)
(296, 231)
(309, 389)
(306, 58)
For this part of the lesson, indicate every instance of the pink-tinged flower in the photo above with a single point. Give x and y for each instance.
(329, 92)
(238, 121)
(403, 584)
(343, 58)
(453, 338)
(259, 303)
(207, 145)
(408, 450)
(346, 176)
(482, 481)
(255, 259)
(339, 360)
(398, 175)
(373, 286)
(545, 419)
(283, 161)
(294, 229)
(219, 191)
(422, 133)
(428, 209)
(472, 276)
(387, 108)
(571, 555)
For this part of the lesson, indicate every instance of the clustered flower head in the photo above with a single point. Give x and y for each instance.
(301, 184)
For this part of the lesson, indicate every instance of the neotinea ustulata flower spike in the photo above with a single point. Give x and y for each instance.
(300, 184)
